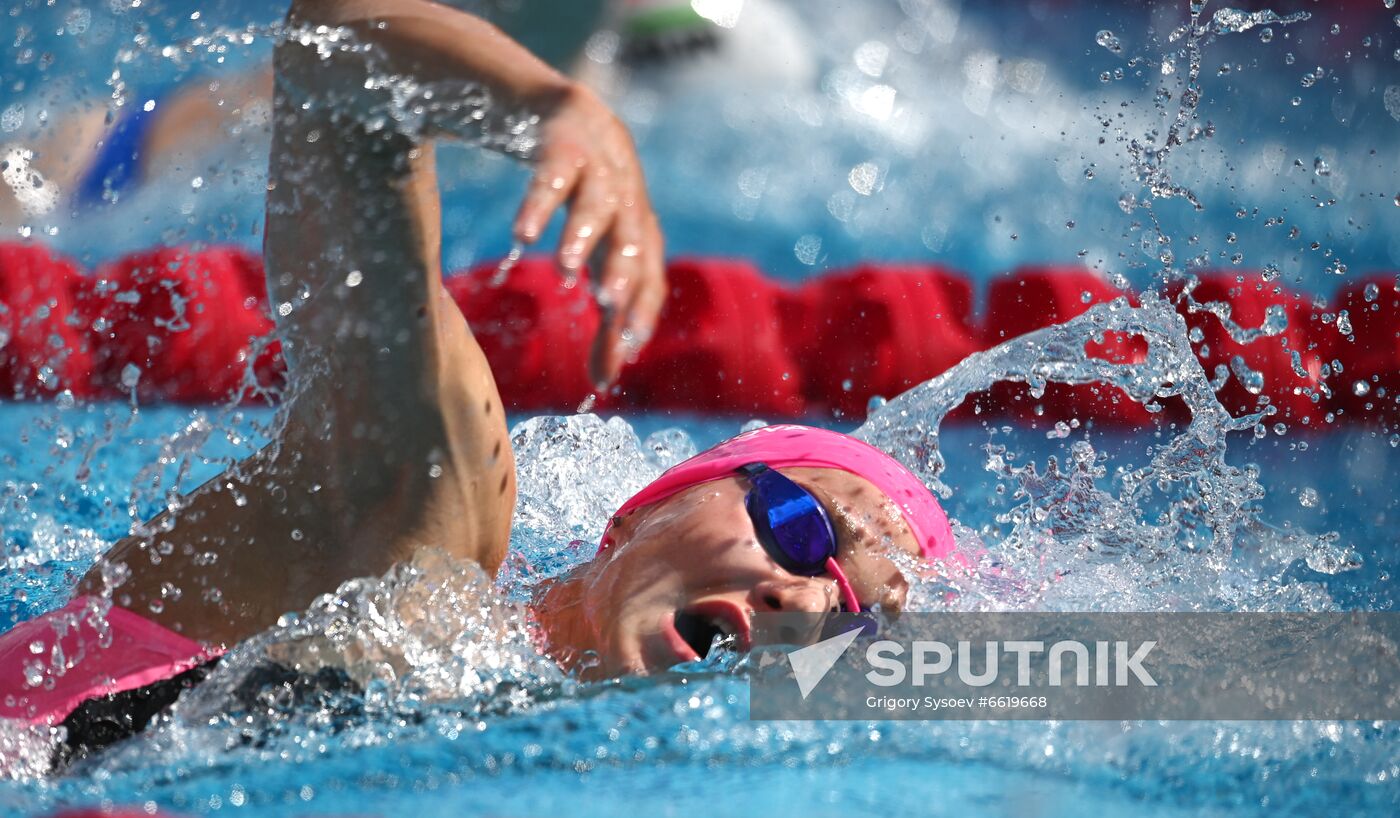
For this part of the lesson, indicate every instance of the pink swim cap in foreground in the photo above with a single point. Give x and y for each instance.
(789, 445)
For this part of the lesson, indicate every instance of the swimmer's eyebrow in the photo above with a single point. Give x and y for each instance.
(892, 595)
(845, 530)
(849, 533)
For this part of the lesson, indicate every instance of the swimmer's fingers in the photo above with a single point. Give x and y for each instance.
(611, 348)
(554, 182)
(631, 289)
(650, 294)
(591, 215)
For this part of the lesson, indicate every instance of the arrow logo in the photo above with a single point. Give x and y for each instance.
(811, 664)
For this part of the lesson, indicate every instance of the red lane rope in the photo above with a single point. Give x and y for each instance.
(180, 325)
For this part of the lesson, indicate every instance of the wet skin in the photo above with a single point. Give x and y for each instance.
(697, 553)
(394, 436)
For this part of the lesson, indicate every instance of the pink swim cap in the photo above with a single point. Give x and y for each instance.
(790, 445)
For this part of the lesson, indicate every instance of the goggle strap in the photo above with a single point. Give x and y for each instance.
(848, 594)
(752, 469)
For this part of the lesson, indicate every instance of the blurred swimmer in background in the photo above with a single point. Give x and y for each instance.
(87, 158)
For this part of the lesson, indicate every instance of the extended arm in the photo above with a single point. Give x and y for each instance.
(395, 437)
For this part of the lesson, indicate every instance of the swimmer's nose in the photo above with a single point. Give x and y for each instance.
(794, 595)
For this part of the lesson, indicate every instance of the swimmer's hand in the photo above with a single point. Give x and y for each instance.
(586, 159)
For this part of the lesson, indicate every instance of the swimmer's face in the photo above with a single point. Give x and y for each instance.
(691, 566)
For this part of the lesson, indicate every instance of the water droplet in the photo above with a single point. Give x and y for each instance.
(1266, 34)
(1391, 100)
(1360, 389)
(1307, 498)
(1231, 238)
(1288, 58)
(865, 178)
(354, 279)
(1321, 168)
(1344, 323)
(1371, 292)
(1296, 101)
(131, 375)
(1089, 174)
(33, 673)
(1069, 225)
(808, 248)
(517, 249)
(1336, 29)
(1109, 40)
(1252, 380)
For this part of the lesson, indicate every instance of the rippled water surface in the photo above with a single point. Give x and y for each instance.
(675, 743)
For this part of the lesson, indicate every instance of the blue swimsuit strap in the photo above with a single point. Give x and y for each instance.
(117, 165)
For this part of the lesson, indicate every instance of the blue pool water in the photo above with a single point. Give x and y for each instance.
(919, 129)
(681, 744)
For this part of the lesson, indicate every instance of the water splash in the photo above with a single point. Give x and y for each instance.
(1186, 513)
(430, 629)
(1234, 21)
(507, 264)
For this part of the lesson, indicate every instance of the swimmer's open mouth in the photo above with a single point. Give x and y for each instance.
(705, 624)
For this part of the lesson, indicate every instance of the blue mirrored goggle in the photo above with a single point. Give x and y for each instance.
(794, 528)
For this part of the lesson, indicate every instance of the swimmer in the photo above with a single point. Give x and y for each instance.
(215, 117)
(82, 163)
(395, 438)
